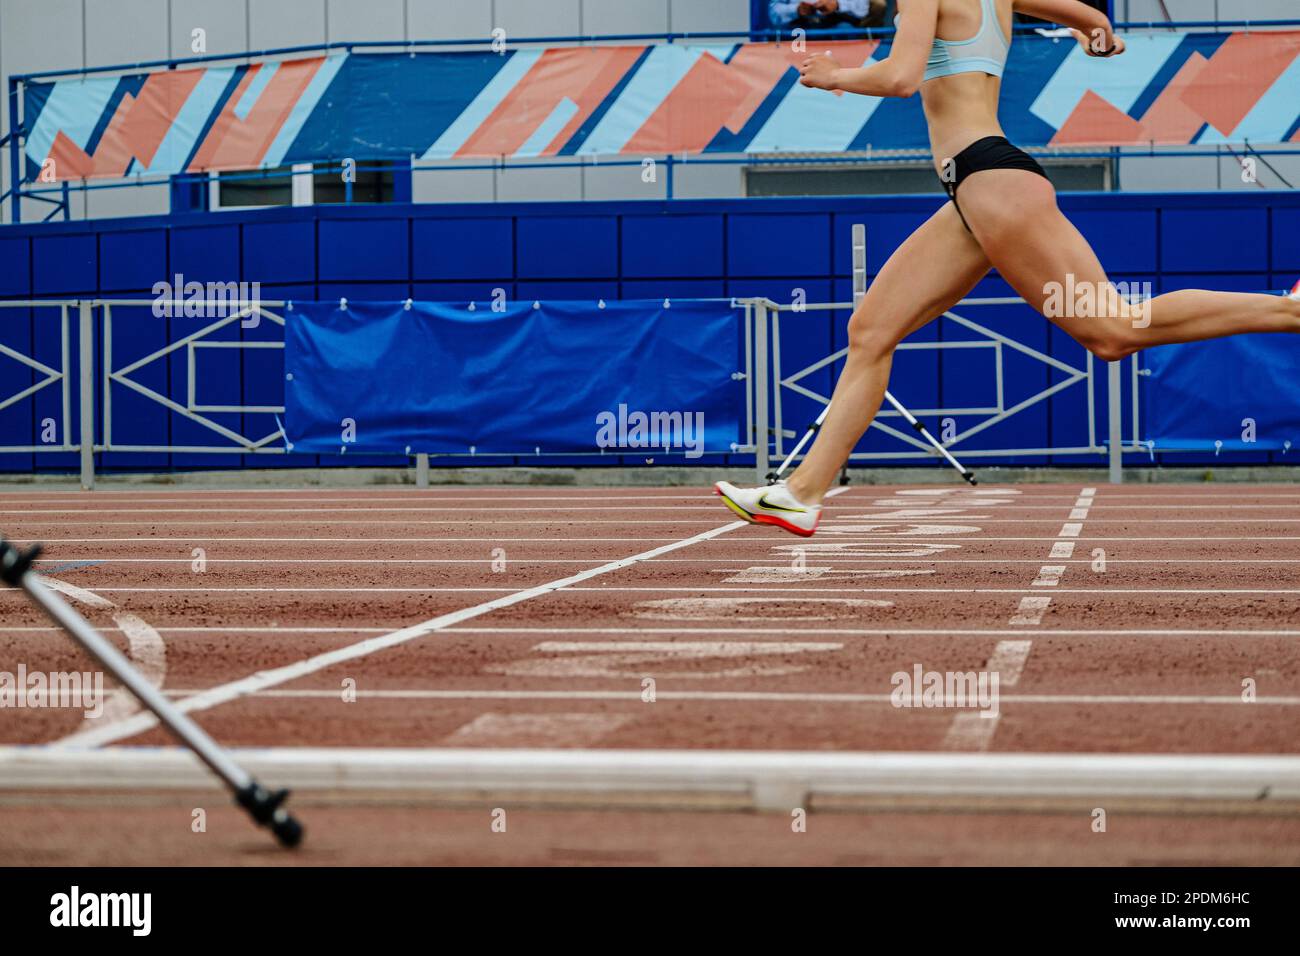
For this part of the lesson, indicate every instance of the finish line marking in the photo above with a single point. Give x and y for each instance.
(262, 680)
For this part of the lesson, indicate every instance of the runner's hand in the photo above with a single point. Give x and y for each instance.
(1095, 44)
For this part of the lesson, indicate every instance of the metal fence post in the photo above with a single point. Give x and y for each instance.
(86, 378)
(1115, 424)
(422, 470)
(859, 262)
(761, 372)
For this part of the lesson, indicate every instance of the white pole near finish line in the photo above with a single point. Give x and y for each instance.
(1114, 397)
(859, 291)
(263, 805)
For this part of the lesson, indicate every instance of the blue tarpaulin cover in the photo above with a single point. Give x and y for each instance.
(1204, 392)
(440, 378)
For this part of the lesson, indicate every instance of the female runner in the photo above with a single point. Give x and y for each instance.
(1002, 214)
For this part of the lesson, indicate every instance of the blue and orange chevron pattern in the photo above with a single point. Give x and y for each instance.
(1170, 88)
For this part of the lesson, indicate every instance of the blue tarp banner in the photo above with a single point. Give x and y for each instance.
(1242, 391)
(554, 377)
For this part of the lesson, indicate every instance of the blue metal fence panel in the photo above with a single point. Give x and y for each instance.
(590, 251)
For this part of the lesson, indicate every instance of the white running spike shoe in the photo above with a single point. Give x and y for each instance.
(771, 505)
(1295, 292)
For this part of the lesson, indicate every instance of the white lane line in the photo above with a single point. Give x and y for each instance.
(1049, 576)
(365, 504)
(623, 589)
(265, 679)
(1031, 610)
(1078, 514)
(1071, 530)
(535, 730)
(740, 696)
(356, 509)
(507, 630)
(884, 631)
(1062, 549)
(373, 539)
(1089, 492)
(388, 540)
(443, 522)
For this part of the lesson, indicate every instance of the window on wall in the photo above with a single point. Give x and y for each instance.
(241, 189)
(369, 185)
(298, 186)
(907, 178)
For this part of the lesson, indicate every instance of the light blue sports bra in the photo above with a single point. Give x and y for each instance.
(985, 52)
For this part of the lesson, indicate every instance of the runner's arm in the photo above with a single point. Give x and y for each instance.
(899, 74)
(1089, 25)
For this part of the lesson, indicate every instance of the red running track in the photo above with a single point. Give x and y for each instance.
(1119, 620)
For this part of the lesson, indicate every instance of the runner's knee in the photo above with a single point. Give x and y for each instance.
(870, 338)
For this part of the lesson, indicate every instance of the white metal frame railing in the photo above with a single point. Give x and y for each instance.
(62, 376)
(762, 375)
(192, 409)
(89, 388)
(772, 385)
(769, 435)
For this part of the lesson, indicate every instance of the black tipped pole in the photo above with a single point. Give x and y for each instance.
(911, 420)
(264, 806)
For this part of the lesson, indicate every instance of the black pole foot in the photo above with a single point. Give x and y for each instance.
(266, 808)
(14, 562)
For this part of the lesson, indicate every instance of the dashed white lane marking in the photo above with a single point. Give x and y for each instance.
(688, 649)
(970, 731)
(784, 573)
(635, 660)
(535, 730)
(732, 608)
(1008, 661)
(262, 680)
(1031, 610)
(1049, 576)
(975, 730)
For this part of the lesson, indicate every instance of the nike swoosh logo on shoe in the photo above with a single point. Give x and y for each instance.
(763, 503)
